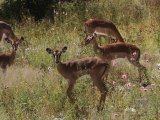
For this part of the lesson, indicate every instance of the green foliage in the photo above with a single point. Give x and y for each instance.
(18, 9)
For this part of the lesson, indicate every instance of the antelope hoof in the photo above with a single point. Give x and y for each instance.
(99, 108)
(145, 84)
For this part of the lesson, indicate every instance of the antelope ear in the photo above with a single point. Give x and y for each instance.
(4, 36)
(64, 49)
(94, 35)
(49, 50)
(21, 39)
(7, 40)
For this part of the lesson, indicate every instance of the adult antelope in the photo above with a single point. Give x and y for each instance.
(73, 69)
(8, 58)
(6, 31)
(103, 28)
(119, 50)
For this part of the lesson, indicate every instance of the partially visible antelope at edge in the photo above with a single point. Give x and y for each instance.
(7, 59)
(6, 31)
(103, 28)
(119, 50)
(73, 69)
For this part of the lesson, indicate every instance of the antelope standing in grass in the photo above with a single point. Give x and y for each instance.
(7, 59)
(73, 69)
(119, 50)
(103, 28)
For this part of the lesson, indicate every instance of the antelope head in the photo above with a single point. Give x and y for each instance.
(90, 38)
(56, 53)
(15, 43)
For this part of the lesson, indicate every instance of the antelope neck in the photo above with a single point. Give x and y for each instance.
(95, 45)
(13, 54)
(60, 67)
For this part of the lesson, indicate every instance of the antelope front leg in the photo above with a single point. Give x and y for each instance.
(141, 69)
(103, 90)
(4, 68)
(144, 70)
(69, 90)
(140, 75)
